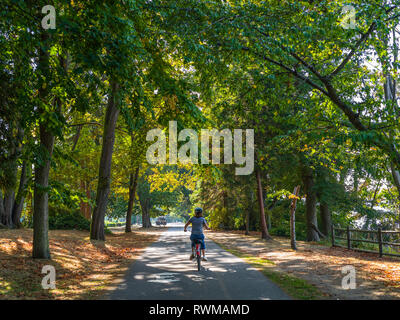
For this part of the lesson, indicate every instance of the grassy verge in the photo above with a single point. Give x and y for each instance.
(295, 287)
(115, 224)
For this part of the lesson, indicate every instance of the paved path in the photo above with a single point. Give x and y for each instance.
(164, 272)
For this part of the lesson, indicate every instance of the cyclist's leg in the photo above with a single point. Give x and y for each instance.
(192, 238)
(203, 247)
(193, 246)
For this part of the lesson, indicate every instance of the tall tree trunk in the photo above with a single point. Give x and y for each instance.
(146, 222)
(20, 199)
(132, 191)
(390, 95)
(311, 201)
(8, 206)
(103, 187)
(326, 219)
(41, 248)
(263, 223)
(40, 203)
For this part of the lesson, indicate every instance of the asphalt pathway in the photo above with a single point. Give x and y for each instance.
(164, 272)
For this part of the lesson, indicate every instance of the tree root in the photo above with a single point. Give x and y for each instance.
(317, 231)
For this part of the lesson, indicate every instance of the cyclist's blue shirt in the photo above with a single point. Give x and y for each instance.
(197, 224)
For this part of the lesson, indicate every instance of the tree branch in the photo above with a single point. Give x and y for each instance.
(353, 51)
(290, 70)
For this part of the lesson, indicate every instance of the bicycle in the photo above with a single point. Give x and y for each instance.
(197, 243)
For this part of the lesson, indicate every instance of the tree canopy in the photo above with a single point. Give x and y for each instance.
(320, 93)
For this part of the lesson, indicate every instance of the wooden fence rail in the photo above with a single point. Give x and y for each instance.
(349, 240)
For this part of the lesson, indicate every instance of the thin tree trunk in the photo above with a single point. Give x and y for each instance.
(247, 232)
(1, 209)
(249, 211)
(88, 212)
(247, 217)
(373, 201)
(103, 187)
(263, 223)
(9, 194)
(20, 199)
(267, 214)
(396, 176)
(75, 139)
(296, 192)
(82, 204)
(85, 206)
(85, 187)
(311, 201)
(132, 191)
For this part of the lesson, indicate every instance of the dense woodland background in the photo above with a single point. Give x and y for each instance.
(77, 101)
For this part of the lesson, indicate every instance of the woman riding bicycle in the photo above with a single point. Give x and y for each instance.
(197, 231)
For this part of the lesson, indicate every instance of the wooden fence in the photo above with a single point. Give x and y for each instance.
(382, 241)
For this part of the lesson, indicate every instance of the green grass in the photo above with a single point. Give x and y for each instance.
(114, 224)
(295, 287)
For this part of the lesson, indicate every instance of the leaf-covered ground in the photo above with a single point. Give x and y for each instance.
(84, 269)
(376, 278)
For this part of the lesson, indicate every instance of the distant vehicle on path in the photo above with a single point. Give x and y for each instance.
(161, 221)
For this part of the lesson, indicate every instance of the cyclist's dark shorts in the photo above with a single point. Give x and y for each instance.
(200, 237)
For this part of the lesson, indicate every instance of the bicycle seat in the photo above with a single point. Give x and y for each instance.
(197, 241)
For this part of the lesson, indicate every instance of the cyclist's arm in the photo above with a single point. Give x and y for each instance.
(186, 225)
(206, 225)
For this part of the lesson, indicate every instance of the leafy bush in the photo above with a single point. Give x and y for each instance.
(68, 221)
(62, 219)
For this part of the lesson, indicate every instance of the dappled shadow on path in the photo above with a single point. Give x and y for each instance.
(164, 271)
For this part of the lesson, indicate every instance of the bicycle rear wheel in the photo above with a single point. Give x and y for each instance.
(198, 262)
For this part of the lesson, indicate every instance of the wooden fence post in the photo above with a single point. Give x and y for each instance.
(348, 238)
(380, 241)
(333, 234)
